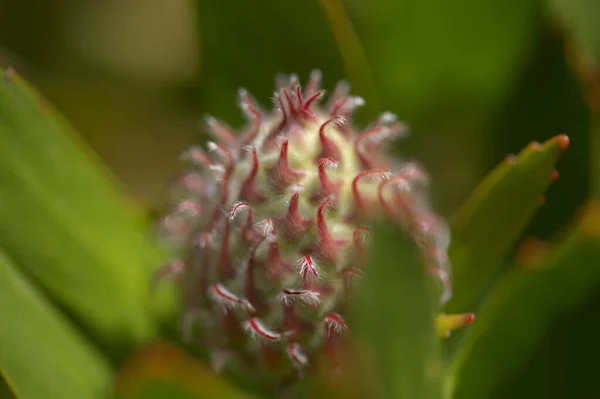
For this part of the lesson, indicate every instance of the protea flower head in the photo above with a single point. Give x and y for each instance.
(273, 226)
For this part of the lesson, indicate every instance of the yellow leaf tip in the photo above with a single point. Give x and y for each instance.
(446, 323)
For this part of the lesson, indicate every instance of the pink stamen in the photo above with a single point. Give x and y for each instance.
(203, 240)
(217, 213)
(247, 228)
(257, 329)
(335, 324)
(313, 83)
(250, 280)
(360, 234)
(228, 299)
(403, 205)
(444, 279)
(284, 116)
(299, 96)
(413, 173)
(221, 131)
(385, 119)
(294, 223)
(328, 246)
(197, 156)
(329, 148)
(290, 103)
(237, 208)
(266, 228)
(308, 268)
(177, 227)
(251, 109)
(277, 267)
(350, 274)
(189, 206)
(248, 191)
(297, 354)
(193, 182)
(346, 105)
(341, 90)
(224, 154)
(328, 188)
(317, 96)
(358, 199)
(225, 269)
(283, 174)
(303, 296)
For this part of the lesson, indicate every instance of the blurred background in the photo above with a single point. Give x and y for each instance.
(475, 80)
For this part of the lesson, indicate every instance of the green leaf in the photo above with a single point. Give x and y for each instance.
(581, 18)
(395, 319)
(493, 218)
(424, 56)
(352, 51)
(41, 354)
(163, 370)
(65, 223)
(517, 315)
(5, 391)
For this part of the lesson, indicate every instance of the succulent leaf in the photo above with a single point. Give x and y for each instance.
(395, 319)
(42, 355)
(531, 298)
(494, 217)
(65, 224)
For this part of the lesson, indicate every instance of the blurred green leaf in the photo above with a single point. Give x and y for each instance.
(395, 319)
(352, 51)
(581, 18)
(438, 53)
(493, 218)
(66, 225)
(515, 319)
(5, 391)
(565, 362)
(163, 370)
(41, 354)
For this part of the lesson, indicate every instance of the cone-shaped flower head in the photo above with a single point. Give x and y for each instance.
(273, 225)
